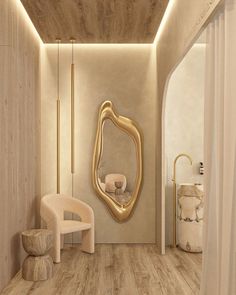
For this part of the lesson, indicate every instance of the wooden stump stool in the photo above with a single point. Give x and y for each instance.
(38, 266)
(118, 190)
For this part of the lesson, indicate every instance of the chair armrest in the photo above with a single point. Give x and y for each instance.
(81, 208)
(49, 216)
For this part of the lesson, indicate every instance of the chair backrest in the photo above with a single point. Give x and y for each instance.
(110, 180)
(57, 203)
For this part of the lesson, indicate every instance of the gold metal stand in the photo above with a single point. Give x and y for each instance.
(174, 193)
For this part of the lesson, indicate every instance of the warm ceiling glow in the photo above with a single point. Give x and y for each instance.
(164, 20)
(101, 45)
(27, 19)
(159, 31)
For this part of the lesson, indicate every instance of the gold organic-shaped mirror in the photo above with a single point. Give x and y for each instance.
(117, 162)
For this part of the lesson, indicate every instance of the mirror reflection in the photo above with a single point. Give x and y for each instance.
(117, 167)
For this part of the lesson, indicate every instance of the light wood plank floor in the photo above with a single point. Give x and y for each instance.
(118, 269)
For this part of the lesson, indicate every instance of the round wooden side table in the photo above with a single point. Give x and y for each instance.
(38, 265)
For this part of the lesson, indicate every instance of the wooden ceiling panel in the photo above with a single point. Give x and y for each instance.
(96, 21)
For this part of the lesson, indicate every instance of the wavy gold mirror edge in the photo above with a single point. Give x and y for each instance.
(119, 212)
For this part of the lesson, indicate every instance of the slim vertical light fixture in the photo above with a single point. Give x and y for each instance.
(72, 108)
(72, 40)
(58, 116)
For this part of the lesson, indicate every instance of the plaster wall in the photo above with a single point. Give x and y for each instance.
(126, 75)
(184, 124)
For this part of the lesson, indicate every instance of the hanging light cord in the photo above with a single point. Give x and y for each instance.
(72, 108)
(72, 50)
(58, 67)
(72, 124)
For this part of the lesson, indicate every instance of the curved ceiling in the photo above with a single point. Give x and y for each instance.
(96, 21)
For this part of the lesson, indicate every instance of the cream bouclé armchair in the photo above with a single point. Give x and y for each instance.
(52, 212)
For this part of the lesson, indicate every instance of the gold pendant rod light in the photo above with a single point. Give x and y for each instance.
(72, 107)
(58, 116)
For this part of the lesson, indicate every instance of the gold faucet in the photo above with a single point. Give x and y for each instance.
(174, 193)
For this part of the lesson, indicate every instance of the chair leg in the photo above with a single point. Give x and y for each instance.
(88, 241)
(55, 252)
(62, 242)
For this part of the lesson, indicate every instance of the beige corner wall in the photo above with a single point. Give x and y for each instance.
(182, 25)
(126, 75)
(19, 133)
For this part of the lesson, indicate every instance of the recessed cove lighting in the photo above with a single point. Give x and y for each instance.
(164, 20)
(27, 19)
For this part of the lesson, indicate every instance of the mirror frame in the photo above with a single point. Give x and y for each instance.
(119, 212)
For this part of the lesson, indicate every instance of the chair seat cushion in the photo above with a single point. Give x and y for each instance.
(70, 226)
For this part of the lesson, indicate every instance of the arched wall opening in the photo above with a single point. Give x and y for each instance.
(172, 44)
(184, 124)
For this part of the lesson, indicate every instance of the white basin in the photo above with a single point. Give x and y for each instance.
(198, 185)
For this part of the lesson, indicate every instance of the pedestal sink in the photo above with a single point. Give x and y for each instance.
(190, 216)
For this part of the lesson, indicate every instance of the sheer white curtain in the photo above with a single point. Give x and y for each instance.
(219, 259)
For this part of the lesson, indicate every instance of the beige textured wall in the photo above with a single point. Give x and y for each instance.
(19, 133)
(184, 124)
(125, 74)
(181, 27)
